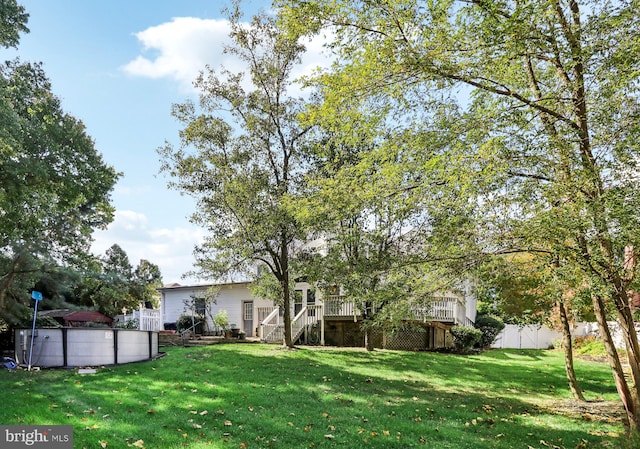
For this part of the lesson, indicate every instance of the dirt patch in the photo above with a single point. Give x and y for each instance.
(600, 411)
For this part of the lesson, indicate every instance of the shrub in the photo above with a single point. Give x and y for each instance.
(490, 326)
(221, 319)
(465, 338)
(186, 321)
(131, 324)
(589, 345)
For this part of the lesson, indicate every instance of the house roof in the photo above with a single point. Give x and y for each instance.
(56, 313)
(88, 316)
(175, 286)
(77, 315)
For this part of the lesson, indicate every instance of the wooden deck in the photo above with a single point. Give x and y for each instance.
(446, 310)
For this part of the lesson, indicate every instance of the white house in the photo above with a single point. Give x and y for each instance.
(331, 320)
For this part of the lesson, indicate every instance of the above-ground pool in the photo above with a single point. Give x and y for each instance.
(77, 346)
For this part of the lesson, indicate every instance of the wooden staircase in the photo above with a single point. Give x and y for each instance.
(272, 330)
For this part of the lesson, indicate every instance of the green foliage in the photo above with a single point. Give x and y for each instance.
(534, 160)
(44, 321)
(187, 321)
(110, 284)
(146, 280)
(131, 324)
(240, 156)
(589, 346)
(221, 319)
(13, 21)
(490, 326)
(54, 185)
(465, 338)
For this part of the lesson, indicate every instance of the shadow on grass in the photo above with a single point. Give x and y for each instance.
(262, 396)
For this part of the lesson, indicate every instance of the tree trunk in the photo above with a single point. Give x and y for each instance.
(625, 318)
(368, 341)
(367, 316)
(567, 344)
(633, 422)
(7, 281)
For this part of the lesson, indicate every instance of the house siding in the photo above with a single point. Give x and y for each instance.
(230, 298)
(340, 329)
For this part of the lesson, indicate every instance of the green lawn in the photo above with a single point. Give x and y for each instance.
(261, 396)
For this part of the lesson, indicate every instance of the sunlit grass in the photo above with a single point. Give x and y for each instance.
(259, 396)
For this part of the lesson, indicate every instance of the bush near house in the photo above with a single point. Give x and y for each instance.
(465, 338)
(186, 321)
(490, 326)
(221, 320)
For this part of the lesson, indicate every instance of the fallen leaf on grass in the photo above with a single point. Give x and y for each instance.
(329, 436)
(228, 423)
(203, 412)
(103, 443)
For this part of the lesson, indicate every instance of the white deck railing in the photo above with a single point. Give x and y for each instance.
(446, 309)
(150, 320)
(338, 307)
(270, 325)
(272, 329)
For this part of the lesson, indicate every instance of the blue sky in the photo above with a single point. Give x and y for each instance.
(118, 66)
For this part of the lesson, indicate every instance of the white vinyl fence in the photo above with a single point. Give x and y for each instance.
(542, 337)
(148, 319)
(526, 337)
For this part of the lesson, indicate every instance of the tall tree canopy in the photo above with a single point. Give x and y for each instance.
(54, 186)
(110, 284)
(240, 157)
(544, 140)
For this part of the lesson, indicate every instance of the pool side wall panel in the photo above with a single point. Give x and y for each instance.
(85, 346)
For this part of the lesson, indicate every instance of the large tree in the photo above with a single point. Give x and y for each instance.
(359, 201)
(54, 186)
(547, 137)
(240, 157)
(111, 285)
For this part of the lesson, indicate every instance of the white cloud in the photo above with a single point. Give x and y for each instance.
(182, 48)
(170, 249)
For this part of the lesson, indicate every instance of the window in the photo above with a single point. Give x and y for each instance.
(248, 311)
(199, 306)
(311, 301)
